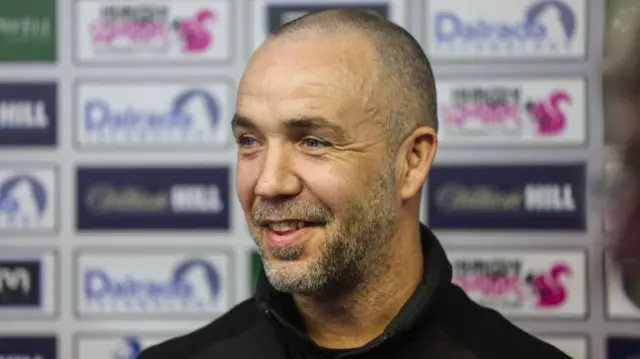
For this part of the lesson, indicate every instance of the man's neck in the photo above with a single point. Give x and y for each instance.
(359, 317)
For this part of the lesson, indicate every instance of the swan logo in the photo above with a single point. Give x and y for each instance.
(151, 29)
(128, 348)
(193, 285)
(547, 113)
(24, 202)
(563, 16)
(193, 115)
(545, 27)
(548, 286)
(194, 32)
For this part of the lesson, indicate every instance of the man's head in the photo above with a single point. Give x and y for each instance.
(336, 130)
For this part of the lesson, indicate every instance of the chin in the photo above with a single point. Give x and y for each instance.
(298, 252)
(293, 254)
(287, 271)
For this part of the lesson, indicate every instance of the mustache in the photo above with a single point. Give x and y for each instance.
(303, 210)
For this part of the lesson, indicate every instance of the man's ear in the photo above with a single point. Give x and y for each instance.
(418, 152)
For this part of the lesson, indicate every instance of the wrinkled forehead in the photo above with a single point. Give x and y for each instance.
(325, 77)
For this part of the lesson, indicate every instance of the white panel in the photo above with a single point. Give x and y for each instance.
(148, 113)
(31, 200)
(460, 29)
(575, 347)
(172, 31)
(524, 283)
(150, 283)
(494, 112)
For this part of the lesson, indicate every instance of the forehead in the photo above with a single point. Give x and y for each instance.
(326, 76)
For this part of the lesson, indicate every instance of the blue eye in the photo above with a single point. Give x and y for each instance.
(246, 141)
(313, 142)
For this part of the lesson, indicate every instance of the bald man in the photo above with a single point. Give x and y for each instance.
(336, 128)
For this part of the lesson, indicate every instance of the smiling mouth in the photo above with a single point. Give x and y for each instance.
(288, 226)
(285, 233)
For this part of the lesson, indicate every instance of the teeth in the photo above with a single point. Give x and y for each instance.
(286, 226)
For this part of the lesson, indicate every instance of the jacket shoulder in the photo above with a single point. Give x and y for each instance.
(487, 333)
(233, 323)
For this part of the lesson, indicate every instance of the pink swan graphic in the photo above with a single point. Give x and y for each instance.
(547, 114)
(194, 32)
(548, 286)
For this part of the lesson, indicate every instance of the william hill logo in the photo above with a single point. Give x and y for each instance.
(153, 198)
(507, 197)
(543, 197)
(23, 115)
(105, 199)
(28, 114)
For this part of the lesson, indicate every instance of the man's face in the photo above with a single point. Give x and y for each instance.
(314, 179)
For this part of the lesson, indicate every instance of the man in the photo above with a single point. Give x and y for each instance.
(336, 130)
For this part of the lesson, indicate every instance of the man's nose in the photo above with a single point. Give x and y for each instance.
(276, 178)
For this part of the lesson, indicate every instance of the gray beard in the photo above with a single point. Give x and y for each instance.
(355, 250)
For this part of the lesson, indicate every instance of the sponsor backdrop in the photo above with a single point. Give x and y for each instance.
(119, 225)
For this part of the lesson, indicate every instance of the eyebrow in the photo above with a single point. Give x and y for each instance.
(244, 122)
(297, 124)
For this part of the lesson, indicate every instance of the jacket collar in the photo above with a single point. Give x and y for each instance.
(437, 274)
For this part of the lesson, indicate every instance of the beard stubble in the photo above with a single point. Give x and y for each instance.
(356, 245)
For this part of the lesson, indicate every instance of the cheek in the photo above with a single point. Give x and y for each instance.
(333, 185)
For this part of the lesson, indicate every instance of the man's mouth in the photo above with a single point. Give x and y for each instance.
(283, 233)
(287, 226)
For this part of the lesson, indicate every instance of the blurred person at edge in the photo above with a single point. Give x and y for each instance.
(622, 122)
(336, 131)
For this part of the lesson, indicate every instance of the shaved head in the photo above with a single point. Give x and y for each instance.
(403, 81)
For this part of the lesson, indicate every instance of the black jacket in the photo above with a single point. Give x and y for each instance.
(438, 322)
